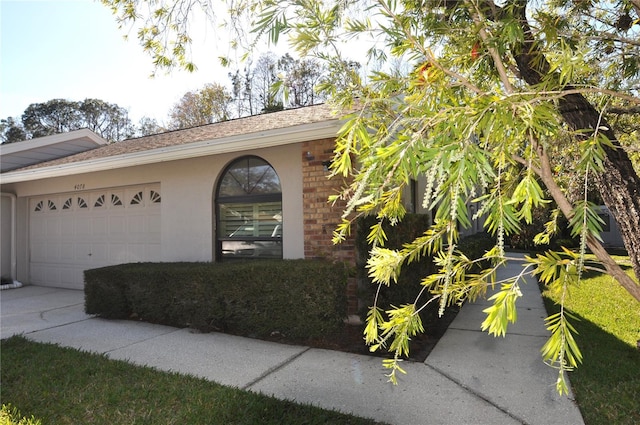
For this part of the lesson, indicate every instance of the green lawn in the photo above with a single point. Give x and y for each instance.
(66, 386)
(607, 384)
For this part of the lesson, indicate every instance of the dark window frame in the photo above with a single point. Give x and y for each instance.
(257, 246)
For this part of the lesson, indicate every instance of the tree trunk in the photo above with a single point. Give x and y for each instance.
(619, 185)
(596, 247)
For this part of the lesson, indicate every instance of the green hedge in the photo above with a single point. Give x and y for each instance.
(523, 240)
(296, 298)
(475, 246)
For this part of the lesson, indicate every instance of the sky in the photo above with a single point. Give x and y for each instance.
(73, 49)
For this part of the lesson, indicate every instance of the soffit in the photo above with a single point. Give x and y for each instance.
(45, 149)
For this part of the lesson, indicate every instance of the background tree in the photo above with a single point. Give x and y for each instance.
(496, 89)
(275, 83)
(148, 126)
(106, 119)
(51, 117)
(11, 131)
(242, 90)
(299, 79)
(60, 115)
(205, 106)
(265, 76)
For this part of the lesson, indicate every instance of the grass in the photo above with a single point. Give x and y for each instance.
(66, 386)
(607, 383)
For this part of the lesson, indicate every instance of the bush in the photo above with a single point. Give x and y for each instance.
(523, 240)
(105, 295)
(475, 246)
(295, 298)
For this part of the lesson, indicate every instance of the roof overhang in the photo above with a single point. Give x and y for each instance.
(236, 143)
(29, 152)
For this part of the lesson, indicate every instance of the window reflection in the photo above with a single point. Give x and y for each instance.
(249, 211)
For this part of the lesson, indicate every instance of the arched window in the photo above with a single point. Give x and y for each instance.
(249, 211)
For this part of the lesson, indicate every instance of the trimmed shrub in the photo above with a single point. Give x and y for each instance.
(295, 298)
(105, 295)
(475, 246)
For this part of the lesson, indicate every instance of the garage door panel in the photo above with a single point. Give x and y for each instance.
(154, 251)
(137, 224)
(38, 226)
(38, 252)
(74, 232)
(67, 225)
(67, 252)
(99, 226)
(138, 252)
(117, 228)
(82, 252)
(53, 252)
(41, 274)
(52, 227)
(154, 223)
(72, 277)
(118, 253)
(82, 226)
(99, 253)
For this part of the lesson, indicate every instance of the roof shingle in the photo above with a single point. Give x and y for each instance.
(240, 126)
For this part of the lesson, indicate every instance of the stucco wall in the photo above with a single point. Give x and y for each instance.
(7, 241)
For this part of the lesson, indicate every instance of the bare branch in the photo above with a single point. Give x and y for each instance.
(632, 110)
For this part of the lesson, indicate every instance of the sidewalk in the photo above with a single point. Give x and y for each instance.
(469, 378)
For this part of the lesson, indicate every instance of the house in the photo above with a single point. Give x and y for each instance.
(250, 187)
(254, 187)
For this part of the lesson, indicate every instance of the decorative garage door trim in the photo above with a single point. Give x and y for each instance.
(72, 232)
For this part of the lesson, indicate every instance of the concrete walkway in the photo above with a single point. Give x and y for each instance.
(469, 378)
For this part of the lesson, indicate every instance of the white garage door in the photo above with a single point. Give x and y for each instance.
(72, 232)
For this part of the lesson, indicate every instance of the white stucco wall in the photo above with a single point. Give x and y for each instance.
(7, 236)
(188, 193)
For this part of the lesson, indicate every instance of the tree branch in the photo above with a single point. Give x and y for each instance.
(526, 163)
(632, 110)
(495, 55)
(613, 268)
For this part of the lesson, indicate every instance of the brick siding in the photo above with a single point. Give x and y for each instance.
(321, 217)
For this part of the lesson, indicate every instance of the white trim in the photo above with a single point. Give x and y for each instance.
(83, 133)
(237, 143)
(13, 258)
